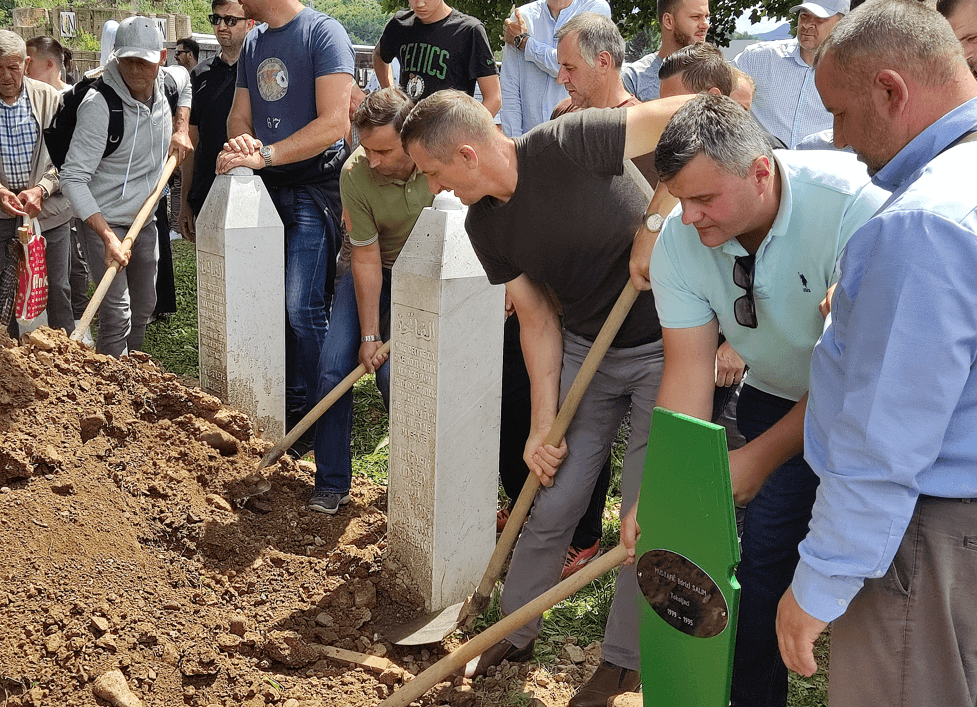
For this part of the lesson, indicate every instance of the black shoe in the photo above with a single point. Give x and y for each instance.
(503, 650)
(608, 681)
(303, 445)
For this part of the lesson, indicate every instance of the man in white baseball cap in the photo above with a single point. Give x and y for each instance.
(107, 186)
(787, 104)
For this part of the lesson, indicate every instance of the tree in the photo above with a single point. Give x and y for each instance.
(364, 20)
(632, 16)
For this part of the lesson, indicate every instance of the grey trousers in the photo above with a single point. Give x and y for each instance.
(626, 378)
(78, 272)
(57, 254)
(909, 638)
(128, 305)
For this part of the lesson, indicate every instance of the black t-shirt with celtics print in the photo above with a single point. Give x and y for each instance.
(451, 53)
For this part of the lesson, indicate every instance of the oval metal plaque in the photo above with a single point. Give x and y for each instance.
(682, 593)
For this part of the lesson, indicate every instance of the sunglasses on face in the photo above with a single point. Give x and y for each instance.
(230, 21)
(744, 308)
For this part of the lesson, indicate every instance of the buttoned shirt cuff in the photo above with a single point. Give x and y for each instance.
(824, 598)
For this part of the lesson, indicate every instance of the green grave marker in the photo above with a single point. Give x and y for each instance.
(687, 555)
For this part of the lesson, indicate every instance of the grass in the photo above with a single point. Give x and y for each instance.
(173, 341)
(582, 616)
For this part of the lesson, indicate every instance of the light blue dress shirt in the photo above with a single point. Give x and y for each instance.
(641, 77)
(824, 198)
(893, 406)
(787, 102)
(529, 88)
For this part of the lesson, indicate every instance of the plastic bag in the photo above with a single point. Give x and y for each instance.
(32, 283)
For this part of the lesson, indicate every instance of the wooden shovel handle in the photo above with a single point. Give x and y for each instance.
(315, 413)
(570, 404)
(148, 207)
(495, 633)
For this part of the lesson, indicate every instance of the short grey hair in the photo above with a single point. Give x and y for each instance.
(444, 120)
(595, 34)
(12, 44)
(903, 35)
(717, 127)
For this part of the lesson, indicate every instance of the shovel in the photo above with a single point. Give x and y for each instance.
(275, 453)
(433, 627)
(148, 207)
(492, 635)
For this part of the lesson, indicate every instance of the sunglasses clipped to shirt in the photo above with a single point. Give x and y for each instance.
(744, 308)
(226, 19)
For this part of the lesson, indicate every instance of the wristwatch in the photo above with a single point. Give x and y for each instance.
(265, 152)
(654, 222)
(371, 337)
(518, 40)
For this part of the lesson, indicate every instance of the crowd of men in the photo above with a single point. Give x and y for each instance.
(836, 289)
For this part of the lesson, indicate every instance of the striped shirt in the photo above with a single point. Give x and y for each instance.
(787, 102)
(19, 133)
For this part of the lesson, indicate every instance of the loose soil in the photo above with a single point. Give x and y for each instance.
(128, 542)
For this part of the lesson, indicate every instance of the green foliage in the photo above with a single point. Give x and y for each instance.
(364, 20)
(173, 342)
(85, 41)
(370, 444)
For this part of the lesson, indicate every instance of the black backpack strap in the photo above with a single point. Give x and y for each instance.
(116, 116)
(171, 92)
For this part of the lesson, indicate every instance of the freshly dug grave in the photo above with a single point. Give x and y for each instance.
(133, 558)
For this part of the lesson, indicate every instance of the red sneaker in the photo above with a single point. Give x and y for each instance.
(577, 558)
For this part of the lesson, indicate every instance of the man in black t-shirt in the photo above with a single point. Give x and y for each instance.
(438, 48)
(213, 83)
(553, 212)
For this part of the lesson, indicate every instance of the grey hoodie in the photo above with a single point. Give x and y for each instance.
(118, 185)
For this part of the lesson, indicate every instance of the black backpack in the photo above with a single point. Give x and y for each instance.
(58, 136)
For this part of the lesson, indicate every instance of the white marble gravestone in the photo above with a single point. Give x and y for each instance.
(241, 299)
(445, 402)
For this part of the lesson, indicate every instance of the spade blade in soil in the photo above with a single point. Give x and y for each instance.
(427, 628)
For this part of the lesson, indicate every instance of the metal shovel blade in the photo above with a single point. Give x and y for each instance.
(432, 627)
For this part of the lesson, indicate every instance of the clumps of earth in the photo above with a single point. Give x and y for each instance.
(138, 568)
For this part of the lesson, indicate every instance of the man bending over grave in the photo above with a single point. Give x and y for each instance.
(552, 212)
(752, 250)
(383, 194)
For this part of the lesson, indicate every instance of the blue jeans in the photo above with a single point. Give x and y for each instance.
(310, 258)
(776, 521)
(340, 355)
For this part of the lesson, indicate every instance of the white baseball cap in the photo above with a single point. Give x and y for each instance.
(824, 8)
(138, 37)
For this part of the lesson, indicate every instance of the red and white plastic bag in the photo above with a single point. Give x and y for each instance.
(32, 282)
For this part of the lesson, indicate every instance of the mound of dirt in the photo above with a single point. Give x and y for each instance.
(132, 554)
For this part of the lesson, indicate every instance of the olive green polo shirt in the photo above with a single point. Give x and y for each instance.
(381, 209)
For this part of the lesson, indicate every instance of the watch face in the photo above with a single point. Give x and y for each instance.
(654, 222)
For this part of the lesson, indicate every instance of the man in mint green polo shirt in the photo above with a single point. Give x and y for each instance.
(752, 252)
(383, 194)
